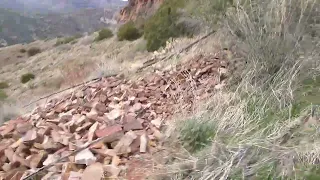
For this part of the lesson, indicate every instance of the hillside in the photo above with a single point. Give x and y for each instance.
(57, 6)
(207, 89)
(25, 28)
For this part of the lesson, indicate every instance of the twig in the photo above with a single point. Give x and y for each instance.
(64, 157)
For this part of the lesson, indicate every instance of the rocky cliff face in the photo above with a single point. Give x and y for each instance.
(138, 8)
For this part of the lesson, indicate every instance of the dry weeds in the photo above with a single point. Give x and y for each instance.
(256, 134)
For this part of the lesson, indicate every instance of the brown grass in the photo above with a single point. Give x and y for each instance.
(8, 112)
(257, 132)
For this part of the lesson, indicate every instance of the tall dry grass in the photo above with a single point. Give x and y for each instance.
(265, 126)
(8, 111)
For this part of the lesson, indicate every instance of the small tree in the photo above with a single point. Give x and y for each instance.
(129, 32)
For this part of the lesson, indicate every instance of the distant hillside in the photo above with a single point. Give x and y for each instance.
(16, 28)
(45, 6)
(23, 28)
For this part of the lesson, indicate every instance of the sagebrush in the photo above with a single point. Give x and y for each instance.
(27, 77)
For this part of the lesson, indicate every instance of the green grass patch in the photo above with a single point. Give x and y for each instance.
(104, 34)
(306, 94)
(3, 95)
(313, 173)
(196, 134)
(27, 77)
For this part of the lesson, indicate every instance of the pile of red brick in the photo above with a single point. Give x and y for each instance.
(129, 114)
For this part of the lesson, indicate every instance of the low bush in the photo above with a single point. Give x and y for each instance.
(33, 51)
(4, 85)
(128, 32)
(23, 50)
(27, 77)
(67, 40)
(104, 34)
(196, 134)
(163, 25)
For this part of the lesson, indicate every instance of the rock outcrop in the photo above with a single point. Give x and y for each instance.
(137, 8)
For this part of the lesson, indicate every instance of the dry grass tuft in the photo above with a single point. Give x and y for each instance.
(8, 112)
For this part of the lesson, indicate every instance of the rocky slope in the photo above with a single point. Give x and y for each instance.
(123, 118)
(138, 8)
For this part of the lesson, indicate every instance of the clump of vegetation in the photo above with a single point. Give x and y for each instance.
(128, 32)
(27, 77)
(211, 12)
(23, 50)
(196, 134)
(4, 85)
(33, 51)
(104, 34)
(163, 25)
(3, 95)
(67, 40)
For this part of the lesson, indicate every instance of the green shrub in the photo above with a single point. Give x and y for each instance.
(4, 85)
(67, 40)
(23, 50)
(3, 95)
(129, 32)
(33, 51)
(104, 34)
(163, 25)
(209, 11)
(196, 134)
(27, 77)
